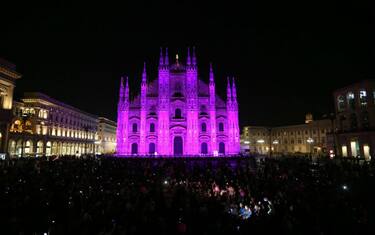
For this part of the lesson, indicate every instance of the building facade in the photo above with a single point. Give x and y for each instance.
(107, 136)
(42, 126)
(307, 138)
(8, 77)
(178, 114)
(354, 134)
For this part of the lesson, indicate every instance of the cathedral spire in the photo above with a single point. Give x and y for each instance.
(121, 93)
(229, 92)
(234, 92)
(161, 60)
(144, 74)
(188, 59)
(127, 88)
(166, 59)
(194, 62)
(211, 74)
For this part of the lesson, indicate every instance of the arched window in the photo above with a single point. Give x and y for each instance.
(48, 148)
(221, 126)
(152, 127)
(134, 128)
(177, 113)
(28, 147)
(340, 103)
(204, 127)
(39, 147)
(351, 100)
(134, 148)
(19, 148)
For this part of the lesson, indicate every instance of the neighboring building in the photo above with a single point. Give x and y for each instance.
(107, 136)
(178, 114)
(355, 120)
(310, 137)
(255, 139)
(8, 77)
(45, 126)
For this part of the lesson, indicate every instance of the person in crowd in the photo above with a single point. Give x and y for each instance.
(238, 195)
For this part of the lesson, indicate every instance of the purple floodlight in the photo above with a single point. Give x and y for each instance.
(178, 114)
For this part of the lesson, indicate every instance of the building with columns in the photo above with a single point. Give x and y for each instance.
(42, 125)
(304, 138)
(8, 77)
(177, 113)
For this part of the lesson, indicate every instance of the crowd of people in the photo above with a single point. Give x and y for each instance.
(236, 195)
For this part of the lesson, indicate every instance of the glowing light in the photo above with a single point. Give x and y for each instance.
(261, 141)
(246, 142)
(275, 142)
(172, 142)
(331, 153)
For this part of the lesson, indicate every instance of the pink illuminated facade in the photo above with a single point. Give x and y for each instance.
(178, 114)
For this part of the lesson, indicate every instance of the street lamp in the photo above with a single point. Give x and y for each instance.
(247, 142)
(261, 142)
(275, 142)
(310, 141)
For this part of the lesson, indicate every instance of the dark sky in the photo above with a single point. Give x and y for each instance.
(288, 57)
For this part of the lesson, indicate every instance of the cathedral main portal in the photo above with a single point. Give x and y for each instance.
(178, 146)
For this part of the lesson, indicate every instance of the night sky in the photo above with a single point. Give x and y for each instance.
(288, 57)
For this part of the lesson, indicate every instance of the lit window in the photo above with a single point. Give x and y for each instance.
(363, 98)
(351, 100)
(44, 130)
(134, 127)
(177, 113)
(204, 127)
(340, 103)
(152, 127)
(221, 126)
